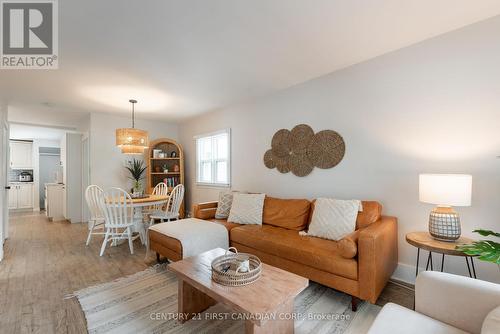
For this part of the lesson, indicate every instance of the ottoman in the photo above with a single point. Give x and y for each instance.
(183, 238)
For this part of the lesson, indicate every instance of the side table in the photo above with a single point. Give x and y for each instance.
(423, 240)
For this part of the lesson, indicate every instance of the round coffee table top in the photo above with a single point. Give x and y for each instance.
(425, 241)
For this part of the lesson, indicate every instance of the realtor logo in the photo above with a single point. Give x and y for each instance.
(29, 34)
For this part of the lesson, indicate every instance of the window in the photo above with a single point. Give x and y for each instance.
(213, 159)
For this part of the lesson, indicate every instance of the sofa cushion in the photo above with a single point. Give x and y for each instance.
(314, 252)
(372, 211)
(292, 214)
(398, 319)
(224, 223)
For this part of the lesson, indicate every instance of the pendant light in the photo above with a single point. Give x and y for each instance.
(132, 140)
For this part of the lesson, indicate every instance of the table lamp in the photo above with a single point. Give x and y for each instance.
(445, 190)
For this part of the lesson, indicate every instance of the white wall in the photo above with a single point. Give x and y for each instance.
(431, 107)
(106, 160)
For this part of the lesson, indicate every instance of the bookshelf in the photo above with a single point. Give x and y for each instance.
(175, 165)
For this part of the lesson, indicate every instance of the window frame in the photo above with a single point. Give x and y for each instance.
(214, 161)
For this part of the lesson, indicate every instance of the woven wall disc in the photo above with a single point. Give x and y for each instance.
(268, 159)
(300, 137)
(281, 143)
(300, 165)
(282, 163)
(326, 149)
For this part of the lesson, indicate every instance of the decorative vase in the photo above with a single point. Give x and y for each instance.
(176, 168)
(137, 190)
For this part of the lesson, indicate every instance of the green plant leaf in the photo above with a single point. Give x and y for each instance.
(136, 168)
(486, 233)
(486, 250)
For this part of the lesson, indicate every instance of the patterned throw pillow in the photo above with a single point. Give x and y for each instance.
(247, 209)
(224, 205)
(333, 218)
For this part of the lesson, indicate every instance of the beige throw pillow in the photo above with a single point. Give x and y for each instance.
(247, 208)
(224, 204)
(333, 218)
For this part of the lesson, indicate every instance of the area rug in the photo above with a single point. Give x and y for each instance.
(146, 302)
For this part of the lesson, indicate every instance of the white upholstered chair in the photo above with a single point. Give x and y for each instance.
(445, 304)
(172, 208)
(115, 204)
(96, 220)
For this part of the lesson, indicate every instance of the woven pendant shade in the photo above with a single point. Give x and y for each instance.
(132, 140)
(131, 137)
(129, 149)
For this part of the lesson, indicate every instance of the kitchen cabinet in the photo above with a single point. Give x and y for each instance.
(21, 155)
(13, 197)
(21, 196)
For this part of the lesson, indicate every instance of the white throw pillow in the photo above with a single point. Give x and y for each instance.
(333, 218)
(247, 209)
(224, 205)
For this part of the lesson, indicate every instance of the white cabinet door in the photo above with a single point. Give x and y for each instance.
(25, 196)
(13, 197)
(21, 155)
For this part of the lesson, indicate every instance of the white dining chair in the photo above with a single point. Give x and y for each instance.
(160, 189)
(172, 207)
(96, 220)
(115, 204)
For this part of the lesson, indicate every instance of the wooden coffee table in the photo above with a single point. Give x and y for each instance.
(266, 302)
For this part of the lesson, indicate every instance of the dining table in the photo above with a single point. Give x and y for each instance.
(138, 204)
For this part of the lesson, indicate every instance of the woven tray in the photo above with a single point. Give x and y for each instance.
(225, 269)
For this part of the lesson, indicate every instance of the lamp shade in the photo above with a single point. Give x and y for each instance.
(129, 149)
(131, 137)
(445, 189)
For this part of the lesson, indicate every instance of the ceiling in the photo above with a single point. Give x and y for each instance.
(180, 58)
(22, 131)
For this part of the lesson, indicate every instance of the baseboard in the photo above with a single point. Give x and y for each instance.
(405, 273)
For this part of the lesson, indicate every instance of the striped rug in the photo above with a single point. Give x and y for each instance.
(146, 302)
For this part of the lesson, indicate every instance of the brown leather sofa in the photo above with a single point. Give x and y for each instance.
(360, 264)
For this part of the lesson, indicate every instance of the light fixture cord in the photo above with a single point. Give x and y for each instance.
(133, 116)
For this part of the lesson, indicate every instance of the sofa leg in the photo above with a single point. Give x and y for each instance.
(158, 257)
(354, 303)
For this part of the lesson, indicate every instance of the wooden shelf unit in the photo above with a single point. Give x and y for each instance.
(153, 177)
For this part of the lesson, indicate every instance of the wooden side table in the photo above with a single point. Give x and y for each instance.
(423, 240)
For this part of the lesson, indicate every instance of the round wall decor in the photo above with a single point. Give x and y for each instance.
(326, 150)
(280, 143)
(300, 150)
(300, 137)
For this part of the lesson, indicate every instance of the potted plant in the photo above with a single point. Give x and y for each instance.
(136, 168)
(486, 250)
(165, 168)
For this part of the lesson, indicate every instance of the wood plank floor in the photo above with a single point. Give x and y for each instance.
(44, 261)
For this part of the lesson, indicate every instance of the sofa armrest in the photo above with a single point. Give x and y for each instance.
(459, 301)
(377, 256)
(205, 210)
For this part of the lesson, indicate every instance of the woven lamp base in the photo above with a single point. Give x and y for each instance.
(444, 224)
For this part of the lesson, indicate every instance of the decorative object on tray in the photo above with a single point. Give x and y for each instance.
(136, 168)
(236, 269)
(300, 150)
(445, 190)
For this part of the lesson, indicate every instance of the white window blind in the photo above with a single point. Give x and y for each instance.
(213, 159)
